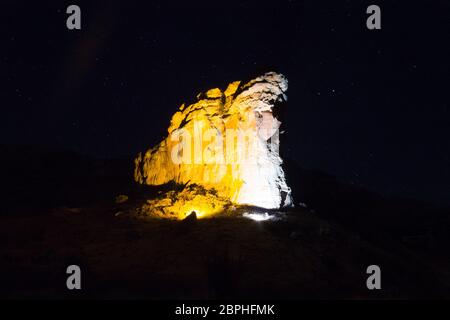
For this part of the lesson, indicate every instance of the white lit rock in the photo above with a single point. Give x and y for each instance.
(226, 141)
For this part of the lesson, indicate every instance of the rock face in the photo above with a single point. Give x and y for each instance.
(227, 141)
(180, 204)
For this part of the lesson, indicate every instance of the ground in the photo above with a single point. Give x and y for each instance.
(121, 256)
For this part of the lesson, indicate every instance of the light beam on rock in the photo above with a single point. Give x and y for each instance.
(227, 142)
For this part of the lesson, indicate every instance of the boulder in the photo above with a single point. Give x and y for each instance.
(227, 141)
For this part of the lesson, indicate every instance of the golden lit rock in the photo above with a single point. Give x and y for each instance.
(227, 142)
(180, 204)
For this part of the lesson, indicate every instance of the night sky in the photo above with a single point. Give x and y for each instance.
(370, 107)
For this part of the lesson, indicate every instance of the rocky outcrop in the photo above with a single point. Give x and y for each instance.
(227, 141)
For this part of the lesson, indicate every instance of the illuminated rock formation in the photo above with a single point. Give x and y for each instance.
(226, 141)
(179, 204)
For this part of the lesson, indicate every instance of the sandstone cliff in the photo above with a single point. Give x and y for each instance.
(227, 141)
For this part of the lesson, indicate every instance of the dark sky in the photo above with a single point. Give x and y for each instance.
(371, 107)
